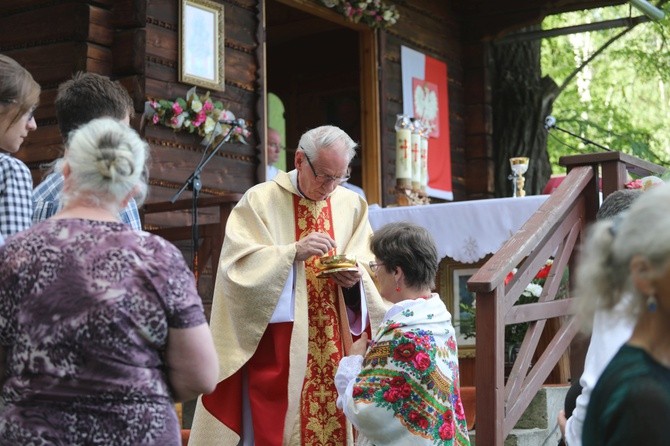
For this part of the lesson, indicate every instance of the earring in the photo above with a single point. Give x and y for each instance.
(652, 303)
(397, 286)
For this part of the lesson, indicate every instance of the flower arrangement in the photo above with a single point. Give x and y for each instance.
(514, 333)
(197, 114)
(373, 13)
(645, 183)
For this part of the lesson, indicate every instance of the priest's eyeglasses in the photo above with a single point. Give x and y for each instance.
(374, 266)
(323, 178)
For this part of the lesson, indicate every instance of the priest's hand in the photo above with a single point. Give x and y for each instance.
(347, 279)
(315, 244)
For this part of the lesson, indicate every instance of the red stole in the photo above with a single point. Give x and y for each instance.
(321, 422)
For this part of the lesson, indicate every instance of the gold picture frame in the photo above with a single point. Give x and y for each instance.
(201, 44)
(452, 287)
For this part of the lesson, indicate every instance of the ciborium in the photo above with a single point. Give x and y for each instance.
(519, 166)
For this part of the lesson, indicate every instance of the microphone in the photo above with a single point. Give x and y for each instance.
(549, 122)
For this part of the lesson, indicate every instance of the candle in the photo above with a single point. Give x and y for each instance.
(403, 161)
(417, 129)
(424, 160)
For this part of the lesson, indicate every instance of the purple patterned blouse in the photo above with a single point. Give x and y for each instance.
(85, 308)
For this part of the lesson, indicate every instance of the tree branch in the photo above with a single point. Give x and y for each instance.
(600, 50)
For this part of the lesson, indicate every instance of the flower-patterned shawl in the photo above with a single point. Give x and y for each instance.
(408, 390)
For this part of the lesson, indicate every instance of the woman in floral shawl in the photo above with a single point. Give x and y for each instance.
(404, 387)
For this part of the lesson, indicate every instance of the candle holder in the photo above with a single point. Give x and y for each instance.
(519, 166)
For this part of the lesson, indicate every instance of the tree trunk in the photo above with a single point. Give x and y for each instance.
(521, 100)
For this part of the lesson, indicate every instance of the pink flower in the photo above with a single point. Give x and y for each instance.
(451, 343)
(392, 395)
(460, 412)
(208, 106)
(421, 361)
(176, 108)
(154, 105)
(418, 419)
(446, 431)
(199, 118)
(155, 119)
(635, 184)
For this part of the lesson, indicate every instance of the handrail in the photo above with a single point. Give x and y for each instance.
(553, 231)
(212, 234)
(540, 224)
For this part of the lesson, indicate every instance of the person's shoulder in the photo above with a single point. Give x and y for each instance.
(9, 163)
(53, 181)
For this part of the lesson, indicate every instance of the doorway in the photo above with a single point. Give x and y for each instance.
(320, 70)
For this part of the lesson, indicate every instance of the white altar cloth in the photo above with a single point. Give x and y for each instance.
(466, 231)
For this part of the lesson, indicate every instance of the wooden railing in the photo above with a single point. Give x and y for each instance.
(555, 230)
(210, 234)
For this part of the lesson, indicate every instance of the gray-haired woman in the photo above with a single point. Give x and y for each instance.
(101, 326)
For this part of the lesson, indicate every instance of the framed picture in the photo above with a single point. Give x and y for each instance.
(453, 277)
(201, 44)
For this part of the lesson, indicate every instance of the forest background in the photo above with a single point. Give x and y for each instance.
(610, 86)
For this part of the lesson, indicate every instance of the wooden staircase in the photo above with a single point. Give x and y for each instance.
(555, 230)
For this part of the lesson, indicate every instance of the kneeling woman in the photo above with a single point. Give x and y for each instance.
(404, 387)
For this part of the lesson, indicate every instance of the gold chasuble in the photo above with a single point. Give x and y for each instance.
(321, 422)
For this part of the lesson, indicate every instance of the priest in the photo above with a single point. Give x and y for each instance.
(280, 326)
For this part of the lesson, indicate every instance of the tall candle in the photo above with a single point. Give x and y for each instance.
(403, 161)
(424, 160)
(417, 129)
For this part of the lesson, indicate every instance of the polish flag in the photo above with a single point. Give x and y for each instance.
(424, 95)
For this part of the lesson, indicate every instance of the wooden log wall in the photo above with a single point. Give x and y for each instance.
(136, 42)
(53, 40)
(146, 52)
(434, 29)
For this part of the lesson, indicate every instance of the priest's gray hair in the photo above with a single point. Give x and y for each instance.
(326, 137)
(603, 273)
(107, 161)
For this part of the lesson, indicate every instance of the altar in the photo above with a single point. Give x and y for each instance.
(465, 231)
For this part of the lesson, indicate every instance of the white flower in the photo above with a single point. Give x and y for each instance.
(209, 125)
(533, 289)
(196, 105)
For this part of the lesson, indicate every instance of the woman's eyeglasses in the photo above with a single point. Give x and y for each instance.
(374, 266)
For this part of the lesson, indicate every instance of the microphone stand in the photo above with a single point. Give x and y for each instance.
(584, 140)
(193, 182)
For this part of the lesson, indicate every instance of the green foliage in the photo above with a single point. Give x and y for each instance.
(620, 98)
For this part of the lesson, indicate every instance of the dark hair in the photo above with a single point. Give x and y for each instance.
(88, 96)
(617, 202)
(18, 90)
(409, 246)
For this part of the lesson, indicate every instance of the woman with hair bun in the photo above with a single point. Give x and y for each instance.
(19, 96)
(101, 326)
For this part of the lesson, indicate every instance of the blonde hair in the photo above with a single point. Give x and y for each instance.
(19, 93)
(107, 161)
(603, 274)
